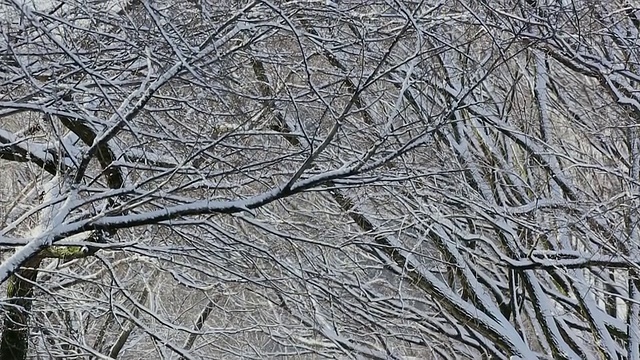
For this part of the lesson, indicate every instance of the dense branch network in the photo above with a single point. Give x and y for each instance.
(379, 179)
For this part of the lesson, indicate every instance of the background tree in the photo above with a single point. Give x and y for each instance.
(358, 179)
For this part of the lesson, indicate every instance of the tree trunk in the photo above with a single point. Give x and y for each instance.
(14, 343)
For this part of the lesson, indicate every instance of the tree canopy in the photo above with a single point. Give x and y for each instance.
(344, 179)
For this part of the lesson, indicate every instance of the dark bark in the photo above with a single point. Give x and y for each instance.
(14, 343)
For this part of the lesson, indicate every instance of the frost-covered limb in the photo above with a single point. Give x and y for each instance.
(19, 149)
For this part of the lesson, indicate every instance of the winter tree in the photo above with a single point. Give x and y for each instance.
(307, 179)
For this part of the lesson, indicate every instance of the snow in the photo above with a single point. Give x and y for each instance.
(33, 150)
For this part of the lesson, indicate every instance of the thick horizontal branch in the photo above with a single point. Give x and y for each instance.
(21, 150)
(204, 207)
(576, 262)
